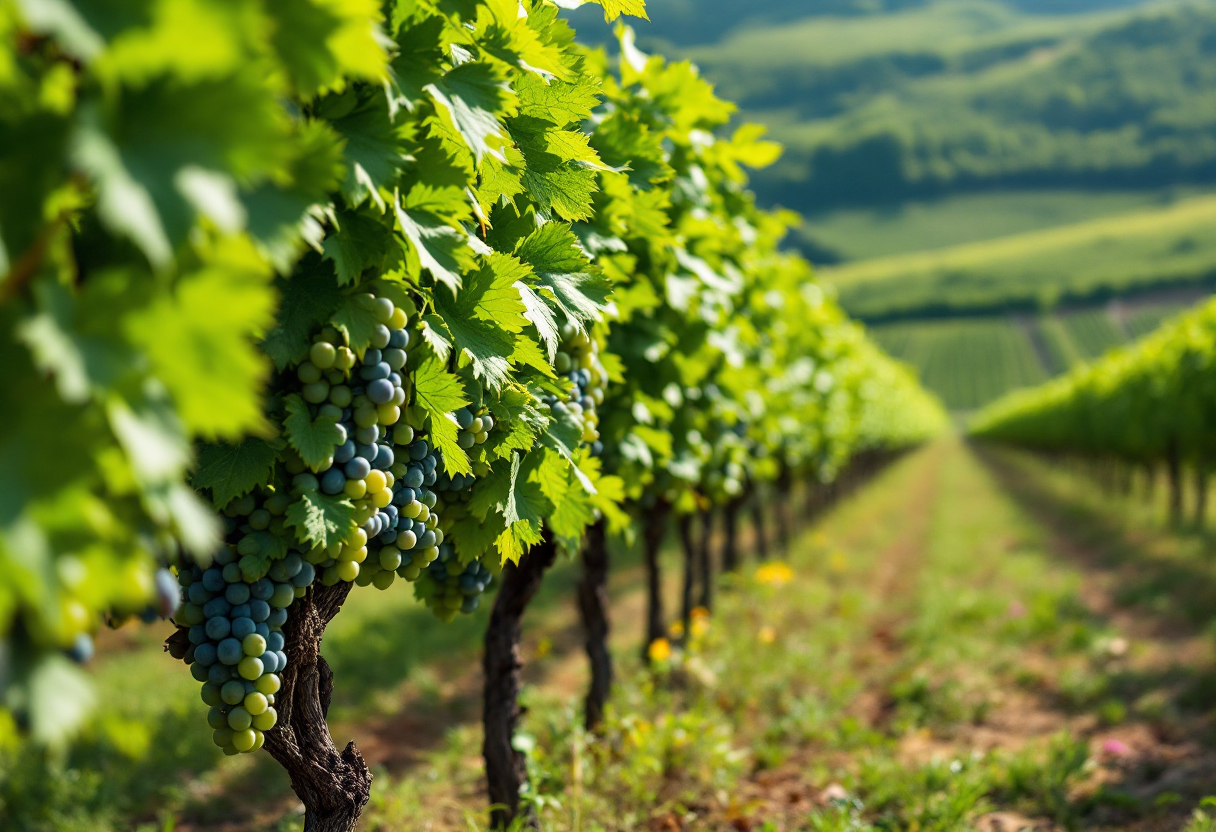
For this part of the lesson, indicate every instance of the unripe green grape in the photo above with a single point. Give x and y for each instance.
(250, 668)
(239, 719)
(283, 595)
(323, 355)
(217, 719)
(308, 373)
(244, 740)
(390, 557)
(233, 692)
(316, 392)
(384, 579)
(222, 736)
(340, 395)
(268, 684)
(253, 645)
(266, 720)
(255, 703)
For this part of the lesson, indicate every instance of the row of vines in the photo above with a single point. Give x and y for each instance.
(1140, 408)
(303, 297)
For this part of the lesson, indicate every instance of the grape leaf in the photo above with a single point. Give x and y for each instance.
(309, 298)
(373, 157)
(439, 393)
(60, 697)
(200, 342)
(357, 322)
(321, 519)
(322, 44)
(472, 96)
(612, 8)
(562, 268)
(271, 547)
(557, 102)
(314, 440)
(473, 536)
(358, 242)
(442, 250)
(231, 471)
(482, 317)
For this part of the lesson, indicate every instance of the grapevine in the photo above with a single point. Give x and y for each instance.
(455, 298)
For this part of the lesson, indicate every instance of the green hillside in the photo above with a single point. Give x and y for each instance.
(1173, 246)
(693, 22)
(883, 230)
(970, 94)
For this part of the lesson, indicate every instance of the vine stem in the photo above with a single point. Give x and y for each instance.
(334, 787)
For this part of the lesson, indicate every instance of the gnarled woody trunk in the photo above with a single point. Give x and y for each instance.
(689, 547)
(593, 609)
(505, 767)
(652, 543)
(705, 560)
(334, 787)
(759, 526)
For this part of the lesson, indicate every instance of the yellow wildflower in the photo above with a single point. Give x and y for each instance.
(774, 574)
(660, 650)
(767, 635)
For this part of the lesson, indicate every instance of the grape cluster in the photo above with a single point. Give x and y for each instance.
(475, 426)
(232, 623)
(452, 587)
(578, 361)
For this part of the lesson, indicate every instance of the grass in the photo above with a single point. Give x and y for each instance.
(969, 634)
(1108, 256)
(939, 655)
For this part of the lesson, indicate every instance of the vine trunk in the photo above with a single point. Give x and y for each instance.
(593, 608)
(334, 787)
(506, 771)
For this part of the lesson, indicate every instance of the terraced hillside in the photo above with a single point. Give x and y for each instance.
(969, 362)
